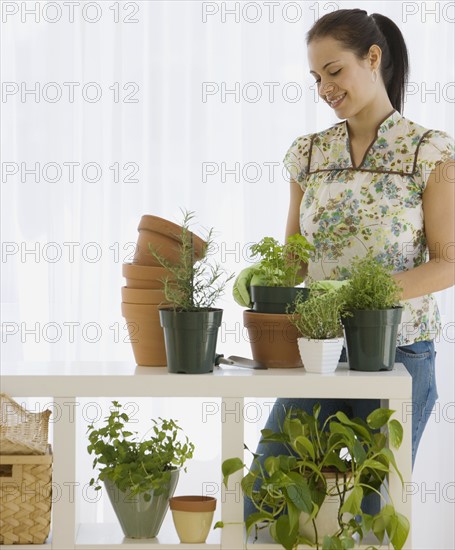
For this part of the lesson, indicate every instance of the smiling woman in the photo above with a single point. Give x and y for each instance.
(378, 183)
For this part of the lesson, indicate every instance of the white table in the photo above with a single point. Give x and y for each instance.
(66, 381)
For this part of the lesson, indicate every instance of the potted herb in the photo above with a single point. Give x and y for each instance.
(139, 476)
(274, 278)
(318, 323)
(191, 324)
(279, 271)
(313, 495)
(371, 315)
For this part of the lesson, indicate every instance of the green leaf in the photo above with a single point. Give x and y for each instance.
(299, 493)
(379, 418)
(391, 458)
(229, 467)
(382, 522)
(272, 464)
(333, 459)
(402, 531)
(303, 442)
(256, 517)
(247, 483)
(331, 543)
(352, 504)
(359, 452)
(336, 428)
(294, 515)
(284, 535)
(356, 426)
(375, 465)
(219, 525)
(395, 433)
(293, 427)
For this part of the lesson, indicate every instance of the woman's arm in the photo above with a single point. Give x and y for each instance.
(439, 218)
(293, 222)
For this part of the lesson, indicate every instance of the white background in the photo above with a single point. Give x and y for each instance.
(169, 135)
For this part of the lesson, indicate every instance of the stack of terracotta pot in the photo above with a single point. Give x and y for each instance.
(143, 294)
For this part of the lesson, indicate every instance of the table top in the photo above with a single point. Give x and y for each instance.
(112, 378)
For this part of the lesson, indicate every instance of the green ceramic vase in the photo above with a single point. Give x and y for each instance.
(140, 519)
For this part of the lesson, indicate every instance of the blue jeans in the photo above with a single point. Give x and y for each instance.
(419, 360)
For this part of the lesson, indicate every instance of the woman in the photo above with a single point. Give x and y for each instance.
(375, 181)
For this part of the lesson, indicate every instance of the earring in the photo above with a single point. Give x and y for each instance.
(374, 76)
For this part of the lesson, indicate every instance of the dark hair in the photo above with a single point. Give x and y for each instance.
(357, 31)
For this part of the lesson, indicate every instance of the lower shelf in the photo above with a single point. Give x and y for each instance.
(104, 536)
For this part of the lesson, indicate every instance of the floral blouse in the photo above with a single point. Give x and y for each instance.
(347, 210)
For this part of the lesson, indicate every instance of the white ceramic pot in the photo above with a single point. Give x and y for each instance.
(320, 356)
(327, 517)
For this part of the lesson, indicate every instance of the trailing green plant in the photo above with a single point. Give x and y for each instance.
(133, 465)
(318, 317)
(371, 286)
(280, 263)
(193, 286)
(354, 450)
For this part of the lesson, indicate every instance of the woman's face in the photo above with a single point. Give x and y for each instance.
(339, 74)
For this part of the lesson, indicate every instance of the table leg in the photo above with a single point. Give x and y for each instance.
(399, 494)
(231, 498)
(64, 475)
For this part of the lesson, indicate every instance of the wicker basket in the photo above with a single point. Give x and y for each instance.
(22, 432)
(25, 498)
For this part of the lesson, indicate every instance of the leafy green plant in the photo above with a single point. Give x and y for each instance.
(318, 317)
(280, 264)
(287, 485)
(136, 466)
(371, 286)
(193, 286)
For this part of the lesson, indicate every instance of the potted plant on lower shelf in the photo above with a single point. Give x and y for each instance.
(191, 324)
(313, 494)
(371, 315)
(139, 476)
(318, 321)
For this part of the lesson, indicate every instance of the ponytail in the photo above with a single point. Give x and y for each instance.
(395, 68)
(357, 31)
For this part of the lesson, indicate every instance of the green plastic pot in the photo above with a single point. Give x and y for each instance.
(275, 299)
(371, 338)
(138, 518)
(190, 339)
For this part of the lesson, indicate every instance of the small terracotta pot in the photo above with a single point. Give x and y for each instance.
(193, 516)
(146, 334)
(273, 339)
(144, 276)
(143, 296)
(165, 236)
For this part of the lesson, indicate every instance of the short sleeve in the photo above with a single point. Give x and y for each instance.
(296, 160)
(436, 147)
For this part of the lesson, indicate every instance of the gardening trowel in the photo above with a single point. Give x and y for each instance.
(235, 361)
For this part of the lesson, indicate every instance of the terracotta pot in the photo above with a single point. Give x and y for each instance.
(273, 339)
(143, 276)
(193, 516)
(146, 334)
(143, 296)
(164, 236)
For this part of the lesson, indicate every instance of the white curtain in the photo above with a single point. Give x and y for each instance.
(116, 109)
